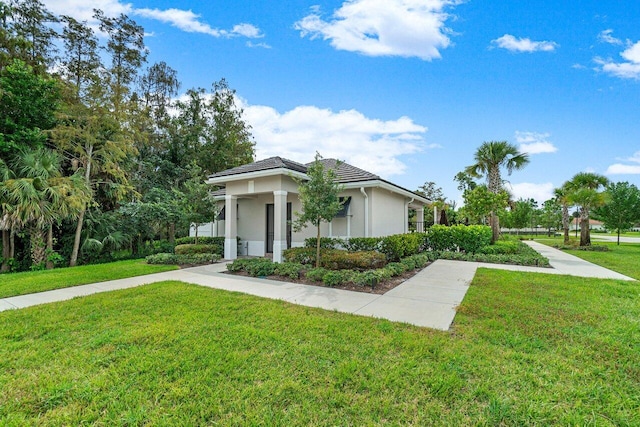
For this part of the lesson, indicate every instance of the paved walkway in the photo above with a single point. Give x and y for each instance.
(428, 299)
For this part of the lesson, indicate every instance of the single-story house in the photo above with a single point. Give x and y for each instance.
(258, 201)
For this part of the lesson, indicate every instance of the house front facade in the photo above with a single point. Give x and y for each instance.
(258, 201)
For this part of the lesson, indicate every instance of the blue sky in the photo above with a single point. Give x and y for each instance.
(409, 89)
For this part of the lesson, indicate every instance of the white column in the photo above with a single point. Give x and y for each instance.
(331, 228)
(280, 224)
(435, 215)
(230, 227)
(214, 227)
(420, 220)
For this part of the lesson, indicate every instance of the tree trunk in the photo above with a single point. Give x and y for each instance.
(618, 237)
(585, 235)
(495, 227)
(565, 223)
(6, 250)
(76, 241)
(196, 240)
(38, 246)
(172, 233)
(49, 251)
(318, 246)
(12, 243)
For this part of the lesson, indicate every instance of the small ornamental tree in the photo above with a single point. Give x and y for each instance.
(319, 199)
(622, 208)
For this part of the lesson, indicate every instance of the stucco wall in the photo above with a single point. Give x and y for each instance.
(387, 214)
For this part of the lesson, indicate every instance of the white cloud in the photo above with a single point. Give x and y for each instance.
(620, 169)
(514, 44)
(371, 144)
(538, 192)
(407, 28)
(624, 70)
(185, 20)
(625, 169)
(535, 143)
(606, 37)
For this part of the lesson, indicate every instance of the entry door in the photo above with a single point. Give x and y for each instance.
(271, 226)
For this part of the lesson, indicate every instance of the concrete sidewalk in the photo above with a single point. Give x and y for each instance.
(428, 299)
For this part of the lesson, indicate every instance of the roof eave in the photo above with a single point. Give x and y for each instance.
(255, 174)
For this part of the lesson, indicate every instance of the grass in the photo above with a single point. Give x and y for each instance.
(38, 281)
(526, 349)
(623, 258)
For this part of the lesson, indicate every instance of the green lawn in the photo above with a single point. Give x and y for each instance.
(526, 349)
(623, 258)
(46, 280)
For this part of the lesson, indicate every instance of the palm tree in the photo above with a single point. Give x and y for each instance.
(562, 197)
(584, 191)
(489, 158)
(36, 195)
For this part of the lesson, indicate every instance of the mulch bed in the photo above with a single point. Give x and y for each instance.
(380, 288)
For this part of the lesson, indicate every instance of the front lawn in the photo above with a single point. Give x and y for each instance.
(621, 258)
(29, 282)
(526, 349)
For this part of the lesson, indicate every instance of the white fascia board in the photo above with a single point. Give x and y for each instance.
(257, 174)
(381, 184)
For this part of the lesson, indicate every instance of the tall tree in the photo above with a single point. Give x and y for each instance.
(622, 209)
(480, 203)
(126, 47)
(27, 107)
(319, 199)
(27, 33)
(585, 191)
(490, 158)
(551, 215)
(81, 60)
(562, 197)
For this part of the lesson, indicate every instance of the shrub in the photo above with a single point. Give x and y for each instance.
(397, 268)
(440, 238)
(501, 247)
(178, 259)
(304, 256)
(409, 263)
(288, 269)
(239, 264)
(335, 259)
(189, 249)
(343, 260)
(358, 244)
(399, 246)
(336, 278)
(201, 241)
(471, 238)
(316, 274)
(367, 278)
(260, 267)
(325, 242)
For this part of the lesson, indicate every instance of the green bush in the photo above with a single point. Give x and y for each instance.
(335, 259)
(397, 268)
(304, 256)
(469, 239)
(316, 274)
(178, 259)
(260, 267)
(502, 247)
(367, 278)
(398, 246)
(336, 278)
(343, 260)
(201, 241)
(288, 269)
(189, 249)
(358, 244)
(239, 264)
(325, 242)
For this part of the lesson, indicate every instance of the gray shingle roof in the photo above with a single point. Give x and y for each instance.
(347, 173)
(261, 165)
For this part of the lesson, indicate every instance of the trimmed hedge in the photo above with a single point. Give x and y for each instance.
(191, 240)
(178, 259)
(358, 244)
(466, 238)
(256, 267)
(335, 259)
(189, 249)
(325, 242)
(398, 246)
